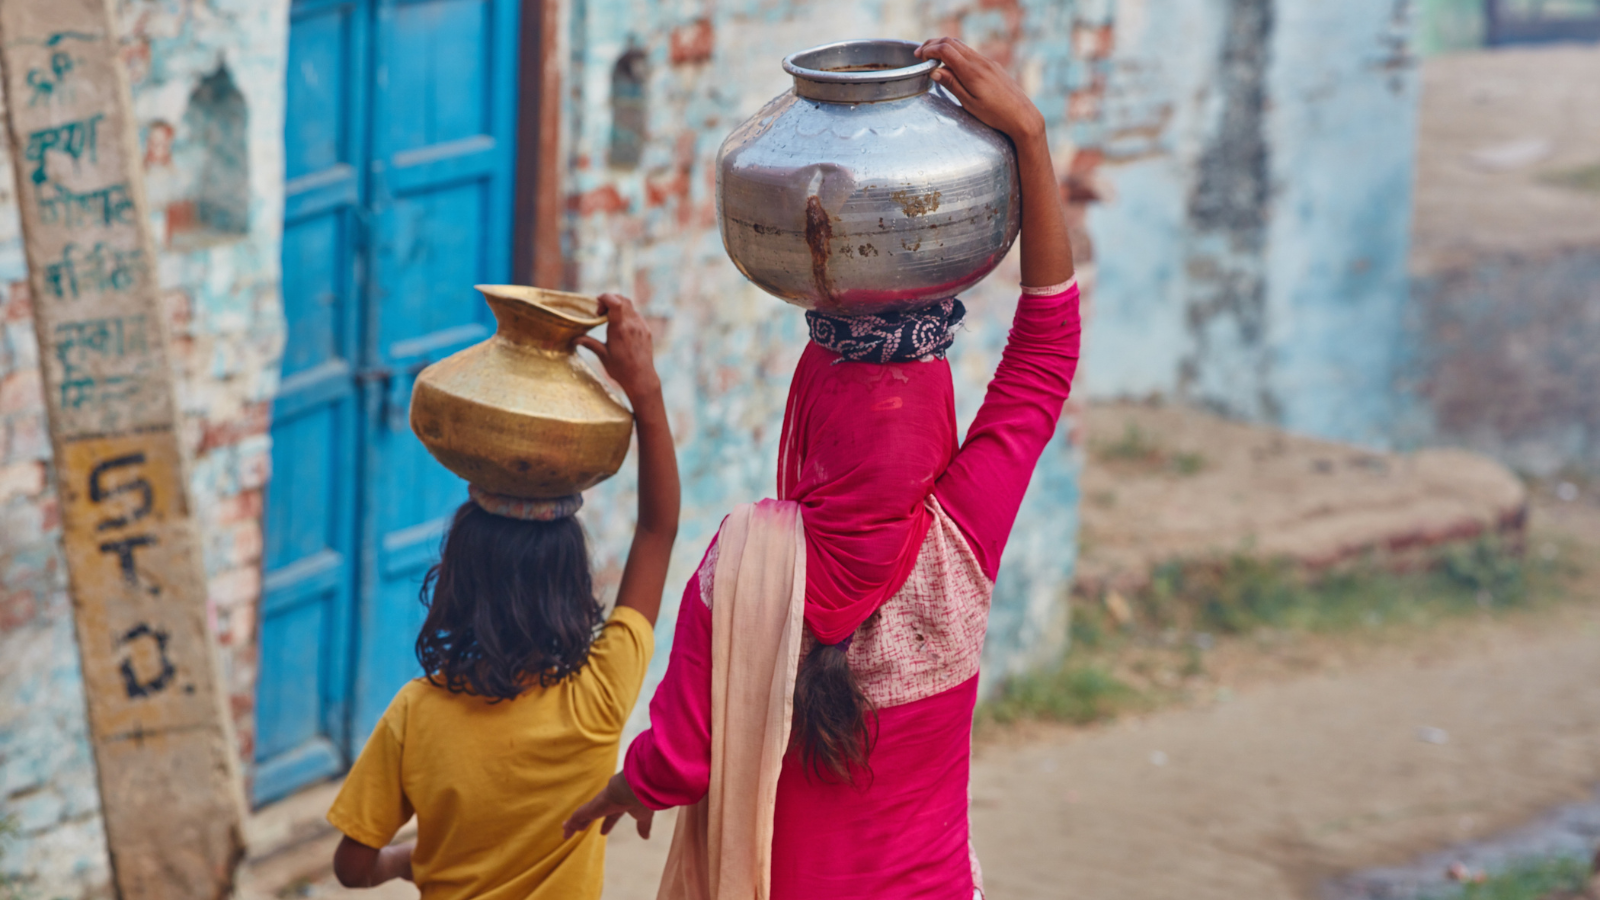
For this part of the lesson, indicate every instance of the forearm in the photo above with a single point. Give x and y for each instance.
(658, 467)
(1046, 246)
(645, 574)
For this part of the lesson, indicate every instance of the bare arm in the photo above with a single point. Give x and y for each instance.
(995, 98)
(627, 357)
(358, 866)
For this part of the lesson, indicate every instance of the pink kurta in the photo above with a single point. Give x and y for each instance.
(903, 834)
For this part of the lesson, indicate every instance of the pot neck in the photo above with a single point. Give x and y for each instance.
(860, 72)
(538, 323)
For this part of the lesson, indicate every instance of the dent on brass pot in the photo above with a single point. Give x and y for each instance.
(866, 188)
(520, 414)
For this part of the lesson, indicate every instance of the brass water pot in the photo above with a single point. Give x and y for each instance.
(520, 414)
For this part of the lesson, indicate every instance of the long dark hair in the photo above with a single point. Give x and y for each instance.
(835, 722)
(509, 602)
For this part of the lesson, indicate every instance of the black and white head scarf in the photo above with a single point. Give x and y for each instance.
(914, 335)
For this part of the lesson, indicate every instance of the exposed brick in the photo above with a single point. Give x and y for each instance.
(17, 608)
(692, 43)
(605, 199)
(18, 305)
(254, 419)
(237, 508)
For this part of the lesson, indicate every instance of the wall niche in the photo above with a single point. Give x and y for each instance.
(200, 172)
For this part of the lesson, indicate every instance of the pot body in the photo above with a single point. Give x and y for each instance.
(866, 188)
(520, 414)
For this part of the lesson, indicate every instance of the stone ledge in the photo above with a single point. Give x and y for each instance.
(1168, 483)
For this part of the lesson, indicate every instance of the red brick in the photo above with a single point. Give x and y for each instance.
(692, 43)
(18, 306)
(254, 419)
(242, 506)
(604, 199)
(17, 609)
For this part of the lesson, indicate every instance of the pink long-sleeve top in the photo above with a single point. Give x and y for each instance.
(904, 833)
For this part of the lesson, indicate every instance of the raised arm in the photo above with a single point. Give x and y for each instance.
(627, 357)
(984, 485)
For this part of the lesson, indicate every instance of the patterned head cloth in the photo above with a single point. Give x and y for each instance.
(915, 335)
(546, 510)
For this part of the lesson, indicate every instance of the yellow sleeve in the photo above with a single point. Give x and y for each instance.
(615, 672)
(372, 805)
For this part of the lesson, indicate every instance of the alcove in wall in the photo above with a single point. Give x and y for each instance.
(629, 115)
(211, 163)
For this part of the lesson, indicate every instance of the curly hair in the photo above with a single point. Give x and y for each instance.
(509, 603)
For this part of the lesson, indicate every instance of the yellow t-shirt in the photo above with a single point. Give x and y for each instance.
(491, 783)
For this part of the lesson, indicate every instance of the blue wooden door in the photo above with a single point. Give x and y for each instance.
(442, 187)
(399, 168)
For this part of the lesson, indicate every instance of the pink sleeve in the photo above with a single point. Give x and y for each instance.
(983, 487)
(670, 763)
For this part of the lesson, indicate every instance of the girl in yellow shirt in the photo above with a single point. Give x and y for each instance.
(518, 720)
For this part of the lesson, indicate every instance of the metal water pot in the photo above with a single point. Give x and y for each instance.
(866, 188)
(520, 414)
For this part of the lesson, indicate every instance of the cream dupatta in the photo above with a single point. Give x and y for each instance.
(722, 847)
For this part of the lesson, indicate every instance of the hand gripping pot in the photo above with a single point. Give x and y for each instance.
(866, 188)
(520, 414)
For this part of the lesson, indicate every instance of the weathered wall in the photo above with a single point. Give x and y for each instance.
(725, 348)
(1251, 234)
(1506, 258)
(208, 92)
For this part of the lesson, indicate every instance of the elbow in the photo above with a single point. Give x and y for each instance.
(353, 863)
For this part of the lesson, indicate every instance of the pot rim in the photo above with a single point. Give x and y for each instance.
(861, 76)
(557, 303)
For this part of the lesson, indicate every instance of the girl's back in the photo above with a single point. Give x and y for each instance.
(491, 780)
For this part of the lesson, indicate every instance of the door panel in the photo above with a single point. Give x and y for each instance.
(441, 183)
(302, 690)
(398, 148)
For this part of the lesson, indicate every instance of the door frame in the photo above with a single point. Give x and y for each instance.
(539, 205)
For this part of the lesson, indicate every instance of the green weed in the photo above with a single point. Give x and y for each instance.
(1242, 594)
(1525, 881)
(1077, 692)
(1134, 446)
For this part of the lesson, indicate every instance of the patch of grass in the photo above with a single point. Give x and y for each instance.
(1150, 648)
(1077, 692)
(1242, 594)
(1188, 463)
(11, 888)
(1583, 178)
(1138, 448)
(1525, 881)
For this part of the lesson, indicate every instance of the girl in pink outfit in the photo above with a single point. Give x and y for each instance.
(904, 530)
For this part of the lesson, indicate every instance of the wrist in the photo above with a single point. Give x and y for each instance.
(645, 392)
